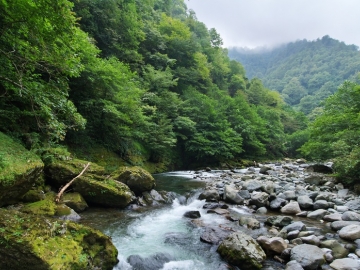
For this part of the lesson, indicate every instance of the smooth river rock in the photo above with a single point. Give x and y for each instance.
(350, 232)
(309, 256)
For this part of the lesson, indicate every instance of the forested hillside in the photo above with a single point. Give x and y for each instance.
(304, 72)
(140, 78)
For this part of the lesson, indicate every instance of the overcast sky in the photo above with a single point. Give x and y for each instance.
(257, 23)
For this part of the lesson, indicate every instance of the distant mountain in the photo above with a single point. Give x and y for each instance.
(304, 72)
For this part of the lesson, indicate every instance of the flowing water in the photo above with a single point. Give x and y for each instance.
(162, 231)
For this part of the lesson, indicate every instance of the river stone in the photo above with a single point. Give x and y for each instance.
(252, 185)
(261, 211)
(214, 235)
(231, 195)
(290, 195)
(298, 225)
(305, 202)
(321, 204)
(218, 211)
(272, 245)
(341, 208)
(333, 217)
(345, 264)
(250, 222)
(309, 256)
(192, 214)
(317, 214)
(337, 225)
(259, 198)
(245, 194)
(350, 216)
(311, 239)
(136, 178)
(316, 180)
(353, 204)
(292, 234)
(350, 232)
(210, 195)
(338, 250)
(292, 208)
(242, 250)
(342, 193)
(268, 187)
(264, 169)
(156, 261)
(293, 265)
(277, 203)
(279, 221)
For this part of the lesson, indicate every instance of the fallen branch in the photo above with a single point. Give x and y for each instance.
(58, 196)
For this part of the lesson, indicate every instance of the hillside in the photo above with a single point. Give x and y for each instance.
(304, 72)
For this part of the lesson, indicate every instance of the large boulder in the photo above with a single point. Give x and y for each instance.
(75, 201)
(94, 185)
(309, 256)
(242, 250)
(210, 195)
(231, 195)
(45, 243)
(136, 178)
(20, 169)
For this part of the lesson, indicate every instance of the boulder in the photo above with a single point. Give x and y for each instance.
(252, 185)
(345, 264)
(249, 222)
(20, 169)
(317, 214)
(46, 243)
(353, 204)
(321, 204)
(332, 217)
(350, 216)
(292, 208)
(338, 250)
(350, 232)
(337, 225)
(293, 265)
(259, 199)
(274, 245)
(277, 203)
(242, 250)
(210, 195)
(308, 256)
(231, 195)
(214, 235)
(278, 221)
(155, 261)
(136, 178)
(75, 201)
(192, 214)
(316, 179)
(295, 226)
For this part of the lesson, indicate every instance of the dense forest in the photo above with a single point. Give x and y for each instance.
(137, 77)
(304, 72)
(148, 81)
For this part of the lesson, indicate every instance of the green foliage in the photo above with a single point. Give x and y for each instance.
(304, 72)
(335, 133)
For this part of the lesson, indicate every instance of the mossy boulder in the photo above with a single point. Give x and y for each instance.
(20, 169)
(46, 243)
(242, 250)
(136, 178)
(109, 192)
(95, 186)
(75, 201)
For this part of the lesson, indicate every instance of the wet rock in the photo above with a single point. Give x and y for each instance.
(261, 211)
(292, 208)
(338, 250)
(317, 214)
(259, 199)
(290, 195)
(350, 232)
(293, 265)
(333, 217)
(305, 202)
(252, 185)
(345, 264)
(218, 211)
(214, 235)
(242, 250)
(298, 226)
(231, 195)
(249, 222)
(192, 214)
(309, 256)
(264, 169)
(75, 201)
(245, 194)
(353, 204)
(210, 195)
(279, 221)
(311, 239)
(337, 225)
(321, 204)
(153, 262)
(274, 245)
(277, 203)
(350, 216)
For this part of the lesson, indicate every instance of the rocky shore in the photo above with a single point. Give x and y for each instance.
(291, 212)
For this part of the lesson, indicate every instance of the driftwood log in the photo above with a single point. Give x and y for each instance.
(58, 196)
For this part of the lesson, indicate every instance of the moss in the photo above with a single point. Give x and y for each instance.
(46, 243)
(45, 207)
(20, 169)
(75, 201)
(62, 210)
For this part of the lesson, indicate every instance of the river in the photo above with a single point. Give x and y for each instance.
(162, 232)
